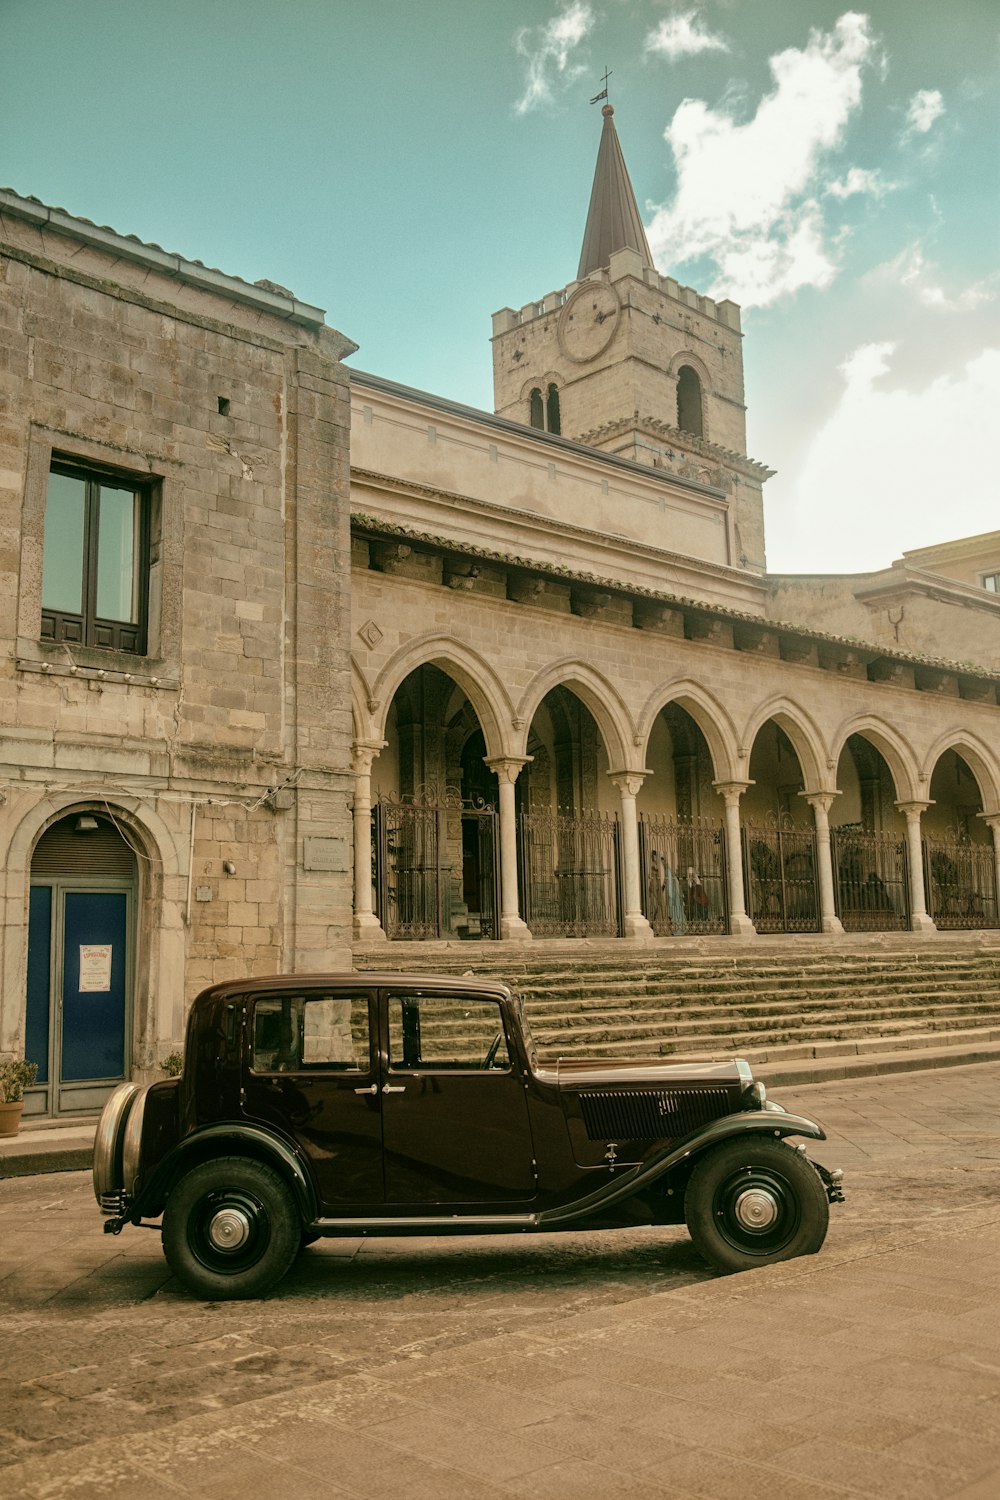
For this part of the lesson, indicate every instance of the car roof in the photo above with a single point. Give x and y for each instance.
(356, 980)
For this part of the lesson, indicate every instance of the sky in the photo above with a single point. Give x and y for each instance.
(411, 166)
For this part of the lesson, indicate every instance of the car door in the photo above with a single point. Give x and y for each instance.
(312, 1074)
(454, 1116)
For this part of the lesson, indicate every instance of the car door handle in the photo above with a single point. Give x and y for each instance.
(399, 1088)
(372, 1089)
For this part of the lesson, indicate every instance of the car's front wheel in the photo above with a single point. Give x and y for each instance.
(230, 1229)
(751, 1202)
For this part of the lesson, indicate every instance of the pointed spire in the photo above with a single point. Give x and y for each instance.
(613, 221)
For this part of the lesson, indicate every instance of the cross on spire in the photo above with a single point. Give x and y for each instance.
(604, 92)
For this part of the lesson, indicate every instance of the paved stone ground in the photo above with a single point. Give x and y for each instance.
(571, 1366)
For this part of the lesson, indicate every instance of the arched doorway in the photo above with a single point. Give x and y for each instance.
(682, 849)
(81, 962)
(570, 857)
(780, 863)
(868, 843)
(959, 862)
(434, 819)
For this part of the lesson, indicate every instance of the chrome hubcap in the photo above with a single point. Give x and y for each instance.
(229, 1229)
(756, 1209)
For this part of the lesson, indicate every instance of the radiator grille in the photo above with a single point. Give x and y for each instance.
(651, 1114)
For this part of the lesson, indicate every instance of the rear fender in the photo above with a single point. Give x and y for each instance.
(228, 1140)
(681, 1155)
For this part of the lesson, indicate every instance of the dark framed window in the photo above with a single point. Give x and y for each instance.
(95, 573)
(689, 406)
(991, 581)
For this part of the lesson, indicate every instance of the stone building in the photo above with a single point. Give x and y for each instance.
(298, 658)
(175, 681)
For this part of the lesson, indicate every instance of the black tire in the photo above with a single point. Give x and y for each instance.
(230, 1229)
(752, 1202)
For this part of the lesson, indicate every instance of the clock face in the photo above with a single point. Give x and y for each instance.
(588, 322)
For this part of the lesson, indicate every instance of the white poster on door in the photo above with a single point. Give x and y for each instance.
(95, 967)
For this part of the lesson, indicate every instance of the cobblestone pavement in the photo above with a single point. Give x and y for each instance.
(577, 1365)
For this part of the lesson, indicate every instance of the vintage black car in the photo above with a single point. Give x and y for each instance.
(383, 1104)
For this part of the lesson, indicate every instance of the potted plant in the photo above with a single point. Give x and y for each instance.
(15, 1076)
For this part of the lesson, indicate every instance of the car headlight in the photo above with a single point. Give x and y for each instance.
(755, 1095)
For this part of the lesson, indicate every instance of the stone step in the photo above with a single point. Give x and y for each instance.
(642, 1023)
(611, 1044)
(778, 1054)
(799, 1004)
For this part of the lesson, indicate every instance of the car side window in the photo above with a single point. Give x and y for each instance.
(299, 1033)
(444, 1031)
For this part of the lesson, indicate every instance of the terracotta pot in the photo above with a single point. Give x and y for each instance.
(10, 1117)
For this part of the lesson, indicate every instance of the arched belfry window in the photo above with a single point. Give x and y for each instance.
(543, 408)
(689, 407)
(552, 409)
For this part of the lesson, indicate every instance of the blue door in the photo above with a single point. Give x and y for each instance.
(76, 1022)
(93, 985)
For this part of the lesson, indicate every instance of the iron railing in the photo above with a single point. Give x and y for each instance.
(961, 884)
(872, 881)
(683, 870)
(780, 872)
(436, 867)
(570, 874)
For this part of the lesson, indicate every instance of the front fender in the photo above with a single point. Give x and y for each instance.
(642, 1176)
(228, 1140)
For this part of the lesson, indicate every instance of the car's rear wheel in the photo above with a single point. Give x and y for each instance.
(752, 1202)
(230, 1229)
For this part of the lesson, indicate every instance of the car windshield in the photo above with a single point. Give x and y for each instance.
(529, 1040)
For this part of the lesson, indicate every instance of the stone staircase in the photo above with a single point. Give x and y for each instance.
(799, 1010)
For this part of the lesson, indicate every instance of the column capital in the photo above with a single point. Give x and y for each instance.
(913, 809)
(628, 782)
(822, 801)
(507, 767)
(732, 791)
(991, 819)
(363, 753)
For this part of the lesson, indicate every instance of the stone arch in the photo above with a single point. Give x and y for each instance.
(707, 712)
(807, 741)
(161, 854)
(614, 722)
(362, 724)
(897, 755)
(977, 757)
(472, 673)
(697, 364)
(542, 381)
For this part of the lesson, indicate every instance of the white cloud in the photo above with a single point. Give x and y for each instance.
(922, 278)
(893, 469)
(859, 180)
(547, 51)
(682, 35)
(747, 194)
(926, 106)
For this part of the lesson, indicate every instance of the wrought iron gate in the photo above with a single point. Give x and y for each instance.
(683, 867)
(570, 871)
(436, 867)
(961, 884)
(780, 867)
(872, 877)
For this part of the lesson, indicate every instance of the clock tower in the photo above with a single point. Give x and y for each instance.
(631, 362)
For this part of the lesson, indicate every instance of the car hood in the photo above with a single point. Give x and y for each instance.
(588, 1072)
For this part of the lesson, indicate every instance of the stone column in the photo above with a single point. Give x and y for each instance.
(628, 784)
(821, 802)
(740, 924)
(507, 768)
(919, 919)
(992, 821)
(366, 925)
